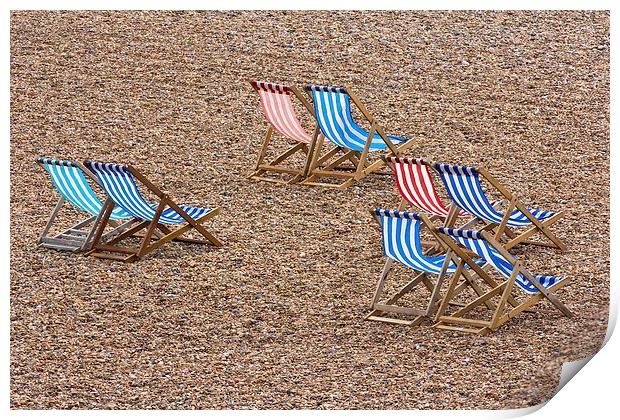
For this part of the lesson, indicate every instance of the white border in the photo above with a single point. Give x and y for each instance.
(591, 395)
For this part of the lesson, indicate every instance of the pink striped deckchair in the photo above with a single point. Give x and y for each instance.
(278, 109)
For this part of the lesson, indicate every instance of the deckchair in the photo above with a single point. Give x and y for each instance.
(535, 287)
(400, 233)
(69, 180)
(465, 190)
(278, 109)
(332, 108)
(120, 186)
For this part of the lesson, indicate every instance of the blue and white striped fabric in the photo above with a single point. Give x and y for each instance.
(401, 242)
(474, 241)
(71, 184)
(333, 112)
(120, 186)
(463, 185)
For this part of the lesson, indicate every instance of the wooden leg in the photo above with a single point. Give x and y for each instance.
(359, 173)
(129, 232)
(556, 242)
(432, 303)
(182, 230)
(106, 210)
(50, 220)
(328, 171)
(264, 147)
(471, 281)
(289, 152)
(91, 234)
(448, 297)
(502, 302)
(382, 277)
(531, 302)
(315, 159)
(317, 137)
(453, 215)
(327, 156)
(503, 223)
(196, 224)
(149, 232)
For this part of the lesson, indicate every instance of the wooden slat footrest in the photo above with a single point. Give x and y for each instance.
(77, 232)
(390, 320)
(70, 237)
(456, 320)
(62, 244)
(62, 247)
(281, 169)
(335, 174)
(398, 309)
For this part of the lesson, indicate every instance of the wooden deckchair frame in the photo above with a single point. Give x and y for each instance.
(538, 226)
(110, 249)
(77, 238)
(359, 159)
(458, 322)
(276, 164)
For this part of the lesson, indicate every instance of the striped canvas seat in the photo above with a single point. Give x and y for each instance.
(278, 108)
(401, 241)
(71, 184)
(474, 241)
(464, 188)
(415, 184)
(332, 107)
(121, 187)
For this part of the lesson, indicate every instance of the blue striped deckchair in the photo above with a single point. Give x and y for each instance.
(332, 108)
(69, 179)
(464, 188)
(400, 233)
(534, 287)
(119, 184)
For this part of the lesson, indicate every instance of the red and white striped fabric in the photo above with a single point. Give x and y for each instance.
(414, 181)
(278, 109)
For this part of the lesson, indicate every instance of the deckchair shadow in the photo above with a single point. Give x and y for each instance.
(119, 184)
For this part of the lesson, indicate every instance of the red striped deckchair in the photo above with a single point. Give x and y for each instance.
(279, 111)
(415, 185)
